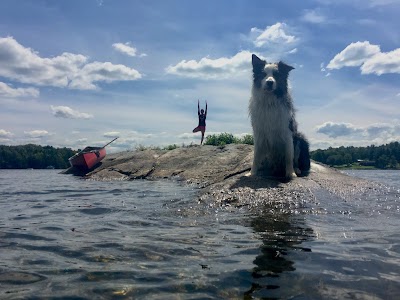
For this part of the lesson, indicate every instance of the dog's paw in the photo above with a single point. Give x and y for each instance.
(297, 171)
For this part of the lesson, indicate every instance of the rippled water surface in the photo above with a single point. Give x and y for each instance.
(65, 237)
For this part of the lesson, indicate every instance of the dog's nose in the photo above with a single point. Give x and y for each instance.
(269, 83)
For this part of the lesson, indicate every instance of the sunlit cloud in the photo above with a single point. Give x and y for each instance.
(111, 134)
(5, 134)
(274, 34)
(275, 41)
(37, 133)
(382, 63)
(125, 48)
(68, 113)
(369, 57)
(8, 91)
(207, 68)
(67, 70)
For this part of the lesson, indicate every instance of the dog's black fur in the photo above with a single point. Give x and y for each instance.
(270, 90)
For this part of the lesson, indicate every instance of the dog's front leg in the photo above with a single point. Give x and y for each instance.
(257, 161)
(289, 158)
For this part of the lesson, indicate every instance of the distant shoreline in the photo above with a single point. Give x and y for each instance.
(358, 167)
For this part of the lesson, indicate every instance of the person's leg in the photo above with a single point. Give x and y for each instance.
(202, 136)
(197, 129)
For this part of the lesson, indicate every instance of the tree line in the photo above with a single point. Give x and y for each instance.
(383, 157)
(40, 157)
(34, 156)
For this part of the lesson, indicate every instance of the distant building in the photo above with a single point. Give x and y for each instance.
(366, 163)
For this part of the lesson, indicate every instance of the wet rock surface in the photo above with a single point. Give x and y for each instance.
(223, 176)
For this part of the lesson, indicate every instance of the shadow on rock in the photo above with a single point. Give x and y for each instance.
(255, 183)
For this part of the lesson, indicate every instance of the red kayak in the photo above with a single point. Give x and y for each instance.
(88, 157)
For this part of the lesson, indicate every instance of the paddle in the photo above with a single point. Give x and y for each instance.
(110, 142)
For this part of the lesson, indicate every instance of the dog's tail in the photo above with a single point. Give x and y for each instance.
(301, 154)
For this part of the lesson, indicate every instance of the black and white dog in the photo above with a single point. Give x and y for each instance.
(279, 149)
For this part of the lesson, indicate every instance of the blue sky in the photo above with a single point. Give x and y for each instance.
(77, 73)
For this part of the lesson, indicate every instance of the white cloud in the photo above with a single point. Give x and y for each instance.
(324, 71)
(354, 55)
(274, 34)
(67, 70)
(337, 129)
(125, 48)
(111, 134)
(187, 136)
(274, 39)
(207, 68)
(68, 113)
(8, 91)
(369, 57)
(130, 139)
(5, 134)
(37, 133)
(138, 135)
(382, 63)
(106, 71)
(382, 132)
(313, 16)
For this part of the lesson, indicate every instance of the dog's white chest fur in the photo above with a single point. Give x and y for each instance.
(269, 116)
(273, 140)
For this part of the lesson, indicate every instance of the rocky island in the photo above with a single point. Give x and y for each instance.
(222, 174)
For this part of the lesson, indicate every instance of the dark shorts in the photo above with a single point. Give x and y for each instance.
(200, 128)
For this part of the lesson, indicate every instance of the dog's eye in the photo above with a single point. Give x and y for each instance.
(260, 75)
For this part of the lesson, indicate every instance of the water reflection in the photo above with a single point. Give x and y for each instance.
(282, 235)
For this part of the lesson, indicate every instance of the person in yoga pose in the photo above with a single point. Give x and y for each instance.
(202, 121)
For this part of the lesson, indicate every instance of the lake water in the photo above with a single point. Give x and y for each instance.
(65, 237)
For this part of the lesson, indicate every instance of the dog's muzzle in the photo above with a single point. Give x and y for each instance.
(269, 84)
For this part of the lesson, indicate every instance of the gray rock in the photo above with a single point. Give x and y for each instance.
(223, 175)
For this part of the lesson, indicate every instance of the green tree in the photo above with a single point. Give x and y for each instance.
(247, 139)
(382, 161)
(393, 162)
(34, 156)
(221, 139)
(347, 159)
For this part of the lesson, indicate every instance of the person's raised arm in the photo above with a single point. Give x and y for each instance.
(198, 107)
(206, 108)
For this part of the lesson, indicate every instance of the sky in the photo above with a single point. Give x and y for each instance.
(77, 73)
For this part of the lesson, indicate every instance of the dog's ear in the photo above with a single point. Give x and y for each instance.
(284, 67)
(257, 62)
